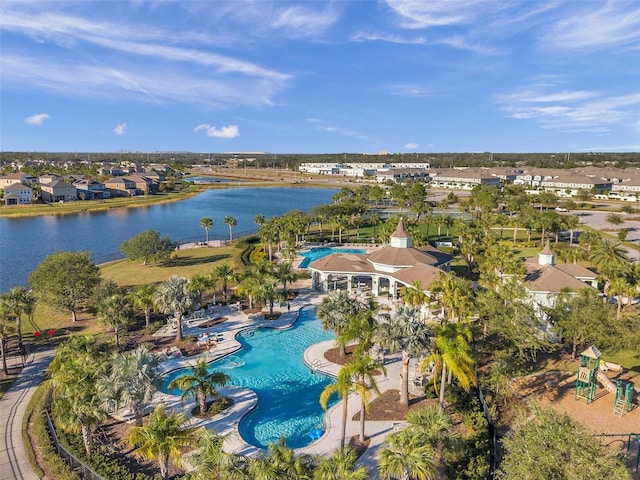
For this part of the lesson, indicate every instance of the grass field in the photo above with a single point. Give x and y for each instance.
(187, 263)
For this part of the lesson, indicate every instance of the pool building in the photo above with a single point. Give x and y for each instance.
(384, 270)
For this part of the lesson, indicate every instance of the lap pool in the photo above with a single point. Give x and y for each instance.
(316, 253)
(270, 363)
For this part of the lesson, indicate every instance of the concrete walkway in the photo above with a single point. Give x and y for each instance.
(14, 464)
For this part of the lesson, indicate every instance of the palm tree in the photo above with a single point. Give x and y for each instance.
(344, 385)
(210, 461)
(341, 465)
(407, 334)
(432, 426)
(406, 457)
(207, 224)
(143, 297)
(74, 375)
(610, 258)
(336, 312)
(452, 352)
(176, 296)
(362, 370)
(5, 331)
(230, 222)
(414, 294)
(199, 384)
(116, 312)
(200, 283)
(279, 463)
(269, 294)
(223, 274)
(455, 294)
(284, 272)
(132, 382)
(19, 300)
(162, 439)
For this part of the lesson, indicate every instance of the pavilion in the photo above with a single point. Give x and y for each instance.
(382, 271)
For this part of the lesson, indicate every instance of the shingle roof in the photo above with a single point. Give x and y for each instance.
(401, 257)
(548, 278)
(343, 262)
(425, 274)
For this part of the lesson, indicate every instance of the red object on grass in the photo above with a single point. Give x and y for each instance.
(51, 332)
(36, 333)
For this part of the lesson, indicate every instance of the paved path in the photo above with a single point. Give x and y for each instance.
(14, 464)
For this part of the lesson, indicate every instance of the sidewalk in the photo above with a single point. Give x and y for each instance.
(14, 464)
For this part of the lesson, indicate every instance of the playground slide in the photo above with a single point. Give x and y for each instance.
(608, 384)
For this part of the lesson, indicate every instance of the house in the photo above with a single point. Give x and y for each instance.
(544, 280)
(122, 187)
(384, 270)
(463, 179)
(144, 183)
(17, 194)
(91, 190)
(58, 191)
(12, 178)
(48, 178)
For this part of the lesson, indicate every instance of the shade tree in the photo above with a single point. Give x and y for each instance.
(148, 246)
(65, 281)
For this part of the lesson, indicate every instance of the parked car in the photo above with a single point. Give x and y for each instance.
(561, 209)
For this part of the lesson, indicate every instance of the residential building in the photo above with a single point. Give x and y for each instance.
(122, 187)
(17, 194)
(58, 191)
(91, 190)
(19, 177)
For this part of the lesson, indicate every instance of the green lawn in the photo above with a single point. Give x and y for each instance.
(185, 263)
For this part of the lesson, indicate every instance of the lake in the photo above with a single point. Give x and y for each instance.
(25, 242)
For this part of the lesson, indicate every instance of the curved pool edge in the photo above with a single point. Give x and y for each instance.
(234, 442)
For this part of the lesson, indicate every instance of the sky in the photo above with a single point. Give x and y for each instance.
(402, 76)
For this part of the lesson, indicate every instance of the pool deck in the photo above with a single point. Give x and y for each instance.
(245, 400)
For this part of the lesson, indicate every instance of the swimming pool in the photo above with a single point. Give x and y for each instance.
(319, 252)
(270, 363)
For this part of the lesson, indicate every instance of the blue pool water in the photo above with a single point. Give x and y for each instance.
(316, 253)
(270, 363)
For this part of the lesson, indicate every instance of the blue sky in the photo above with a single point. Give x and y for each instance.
(320, 77)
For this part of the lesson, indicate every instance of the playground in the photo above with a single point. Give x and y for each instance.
(596, 396)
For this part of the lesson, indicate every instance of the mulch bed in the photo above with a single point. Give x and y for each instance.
(387, 406)
(213, 322)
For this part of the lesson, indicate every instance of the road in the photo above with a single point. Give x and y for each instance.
(597, 220)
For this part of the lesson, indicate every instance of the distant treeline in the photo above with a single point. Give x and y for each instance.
(263, 160)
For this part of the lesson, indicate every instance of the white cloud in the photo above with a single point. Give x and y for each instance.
(411, 146)
(420, 14)
(120, 129)
(571, 110)
(37, 119)
(230, 131)
(301, 21)
(407, 90)
(612, 24)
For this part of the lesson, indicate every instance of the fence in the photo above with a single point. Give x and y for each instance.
(217, 239)
(493, 441)
(74, 462)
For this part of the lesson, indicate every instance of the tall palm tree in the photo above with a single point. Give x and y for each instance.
(162, 439)
(230, 222)
(210, 461)
(207, 224)
(223, 274)
(611, 260)
(176, 296)
(200, 283)
(406, 457)
(116, 312)
(19, 300)
(362, 370)
(407, 334)
(199, 384)
(451, 352)
(5, 331)
(344, 385)
(133, 380)
(341, 465)
(454, 294)
(143, 297)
